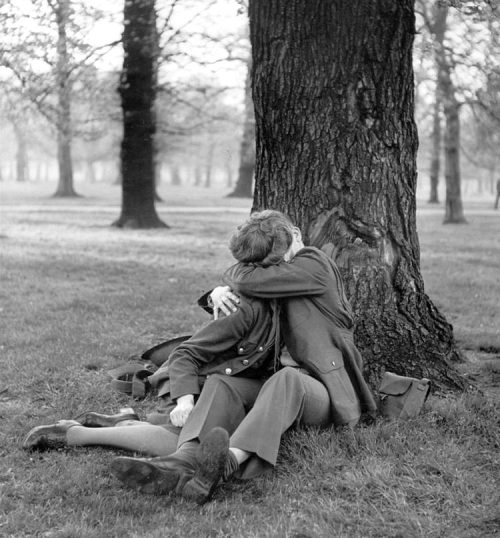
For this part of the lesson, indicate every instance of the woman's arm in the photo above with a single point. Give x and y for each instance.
(306, 274)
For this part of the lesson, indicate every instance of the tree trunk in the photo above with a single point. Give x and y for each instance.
(243, 188)
(65, 186)
(436, 150)
(197, 176)
(21, 155)
(175, 177)
(336, 150)
(453, 205)
(209, 158)
(137, 93)
(90, 171)
(229, 175)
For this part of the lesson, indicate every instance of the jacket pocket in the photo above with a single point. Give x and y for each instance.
(330, 362)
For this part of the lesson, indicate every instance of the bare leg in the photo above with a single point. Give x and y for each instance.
(129, 435)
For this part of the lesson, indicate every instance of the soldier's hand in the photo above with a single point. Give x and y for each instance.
(180, 413)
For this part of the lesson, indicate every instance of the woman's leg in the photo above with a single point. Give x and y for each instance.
(288, 398)
(129, 435)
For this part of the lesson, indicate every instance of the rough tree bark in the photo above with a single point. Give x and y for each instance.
(243, 188)
(336, 150)
(65, 187)
(137, 91)
(435, 150)
(454, 212)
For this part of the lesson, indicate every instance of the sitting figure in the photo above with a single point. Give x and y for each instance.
(234, 428)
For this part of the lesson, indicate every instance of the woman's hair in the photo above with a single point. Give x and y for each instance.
(264, 238)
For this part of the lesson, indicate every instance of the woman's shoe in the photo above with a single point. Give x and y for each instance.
(98, 420)
(51, 436)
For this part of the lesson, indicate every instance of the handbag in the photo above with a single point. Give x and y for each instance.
(402, 397)
(133, 377)
(160, 353)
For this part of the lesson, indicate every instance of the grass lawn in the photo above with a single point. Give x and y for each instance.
(78, 297)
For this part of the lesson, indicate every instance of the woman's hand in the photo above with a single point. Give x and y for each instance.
(181, 411)
(224, 300)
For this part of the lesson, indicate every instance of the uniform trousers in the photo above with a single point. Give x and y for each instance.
(257, 412)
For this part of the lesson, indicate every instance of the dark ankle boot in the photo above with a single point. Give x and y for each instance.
(160, 475)
(211, 459)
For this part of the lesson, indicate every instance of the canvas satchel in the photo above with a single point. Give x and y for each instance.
(133, 377)
(402, 397)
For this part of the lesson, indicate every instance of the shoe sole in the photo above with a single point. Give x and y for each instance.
(144, 476)
(211, 460)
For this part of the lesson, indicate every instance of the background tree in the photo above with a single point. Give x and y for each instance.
(46, 48)
(446, 92)
(246, 170)
(436, 150)
(61, 10)
(481, 145)
(461, 35)
(336, 147)
(137, 92)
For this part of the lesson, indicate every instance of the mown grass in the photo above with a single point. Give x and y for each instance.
(78, 297)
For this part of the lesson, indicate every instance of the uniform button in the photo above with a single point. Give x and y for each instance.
(228, 371)
(333, 363)
(241, 350)
(245, 362)
(261, 348)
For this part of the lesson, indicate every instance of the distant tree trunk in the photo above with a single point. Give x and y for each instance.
(156, 151)
(65, 186)
(38, 172)
(137, 92)
(336, 150)
(243, 188)
(436, 150)
(209, 164)
(229, 175)
(91, 178)
(175, 177)
(453, 205)
(21, 154)
(197, 176)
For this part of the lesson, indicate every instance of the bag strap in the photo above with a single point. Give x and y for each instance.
(130, 378)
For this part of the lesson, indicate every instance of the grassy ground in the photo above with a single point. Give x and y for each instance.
(78, 297)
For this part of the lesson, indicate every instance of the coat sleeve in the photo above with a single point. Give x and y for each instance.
(211, 342)
(206, 303)
(306, 274)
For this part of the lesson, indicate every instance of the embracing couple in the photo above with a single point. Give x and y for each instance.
(278, 353)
